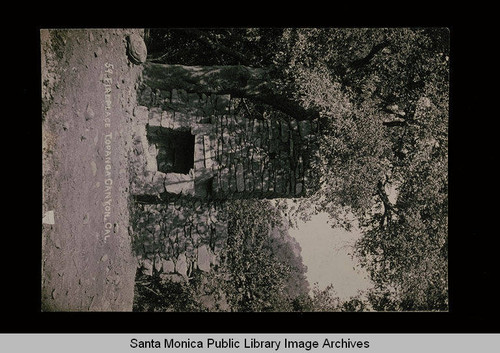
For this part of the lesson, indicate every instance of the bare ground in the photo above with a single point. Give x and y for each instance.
(87, 262)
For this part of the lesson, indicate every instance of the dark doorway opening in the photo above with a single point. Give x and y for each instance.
(175, 149)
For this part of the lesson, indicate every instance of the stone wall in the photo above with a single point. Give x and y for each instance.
(178, 238)
(235, 155)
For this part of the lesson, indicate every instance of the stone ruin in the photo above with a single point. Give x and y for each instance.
(191, 151)
(195, 145)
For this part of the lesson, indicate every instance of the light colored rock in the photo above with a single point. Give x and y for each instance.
(136, 49)
(141, 113)
(202, 129)
(199, 155)
(177, 183)
(158, 264)
(150, 152)
(168, 266)
(158, 182)
(167, 119)
(48, 218)
(155, 115)
(147, 267)
(208, 149)
(181, 265)
(204, 258)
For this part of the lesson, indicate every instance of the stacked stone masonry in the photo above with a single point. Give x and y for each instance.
(190, 150)
(179, 238)
(235, 155)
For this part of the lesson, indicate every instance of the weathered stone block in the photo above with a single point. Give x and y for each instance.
(155, 117)
(181, 265)
(158, 182)
(177, 183)
(168, 266)
(142, 114)
(167, 119)
(204, 258)
(199, 156)
(202, 129)
(157, 263)
(147, 267)
(240, 178)
(208, 150)
(150, 158)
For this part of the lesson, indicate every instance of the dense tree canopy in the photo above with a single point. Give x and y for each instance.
(381, 96)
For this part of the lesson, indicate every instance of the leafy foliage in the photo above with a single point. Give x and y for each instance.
(382, 95)
(254, 277)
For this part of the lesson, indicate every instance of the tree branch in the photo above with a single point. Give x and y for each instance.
(357, 64)
(388, 206)
(202, 37)
(237, 80)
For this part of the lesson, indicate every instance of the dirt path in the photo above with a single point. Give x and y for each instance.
(88, 99)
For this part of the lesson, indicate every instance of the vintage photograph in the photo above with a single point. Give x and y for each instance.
(245, 169)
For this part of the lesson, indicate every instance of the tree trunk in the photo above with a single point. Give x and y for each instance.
(237, 80)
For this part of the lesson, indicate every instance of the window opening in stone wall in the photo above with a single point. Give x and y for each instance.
(175, 149)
